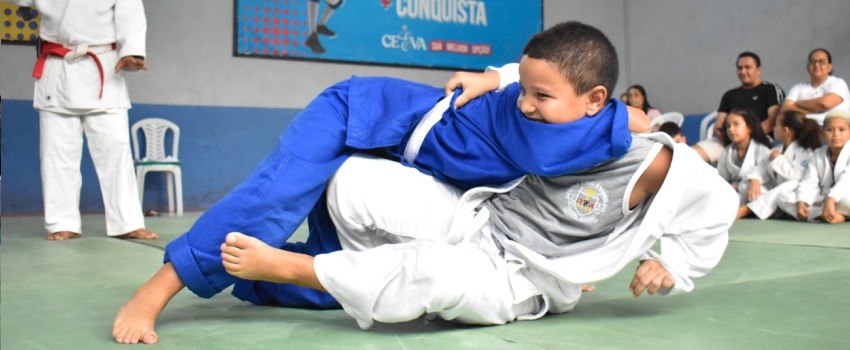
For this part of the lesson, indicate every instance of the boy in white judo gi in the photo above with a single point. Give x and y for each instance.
(824, 192)
(81, 90)
(515, 252)
(461, 158)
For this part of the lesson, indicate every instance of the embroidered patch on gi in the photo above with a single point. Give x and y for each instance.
(588, 200)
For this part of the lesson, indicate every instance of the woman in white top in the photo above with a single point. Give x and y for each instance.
(824, 191)
(822, 94)
(741, 163)
(800, 136)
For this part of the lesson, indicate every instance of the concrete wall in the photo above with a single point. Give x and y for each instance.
(683, 51)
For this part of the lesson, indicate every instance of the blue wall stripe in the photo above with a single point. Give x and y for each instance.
(219, 147)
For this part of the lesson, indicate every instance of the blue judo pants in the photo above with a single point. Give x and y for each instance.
(287, 185)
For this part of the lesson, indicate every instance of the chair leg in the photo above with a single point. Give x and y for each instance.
(140, 183)
(169, 188)
(178, 183)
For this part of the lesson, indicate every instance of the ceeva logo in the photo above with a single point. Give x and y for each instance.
(404, 41)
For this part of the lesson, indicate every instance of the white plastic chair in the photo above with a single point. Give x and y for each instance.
(705, 130)
(155, 159)
(674, 117)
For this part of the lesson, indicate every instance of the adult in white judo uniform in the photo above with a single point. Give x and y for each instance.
(87, 44)
(413, 245)
(824, 192)
(787, 162)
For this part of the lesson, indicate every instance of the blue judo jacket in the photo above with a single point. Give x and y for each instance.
(488, 141)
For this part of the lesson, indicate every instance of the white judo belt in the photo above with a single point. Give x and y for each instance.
(424, 126)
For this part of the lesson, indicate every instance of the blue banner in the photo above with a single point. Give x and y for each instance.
(458, 34)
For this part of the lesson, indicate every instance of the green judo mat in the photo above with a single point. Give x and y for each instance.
(781, 284)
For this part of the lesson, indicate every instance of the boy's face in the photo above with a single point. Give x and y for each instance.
(549, 98)
(680, 139)
(836, 131)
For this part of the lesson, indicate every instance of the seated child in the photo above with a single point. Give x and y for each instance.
(674, 131)
(824, 192)
(741, 163)
(537, 126)
(800, 136)
(513, 252)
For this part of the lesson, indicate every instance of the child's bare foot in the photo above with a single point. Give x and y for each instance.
(837, 219)
(249, 258)
(587, 288)
(139, 234)
(135, 320)
(62, 235)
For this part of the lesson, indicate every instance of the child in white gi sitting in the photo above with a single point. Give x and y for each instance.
(800, 137)
(741, 163)
(413, 245)
(824, 192)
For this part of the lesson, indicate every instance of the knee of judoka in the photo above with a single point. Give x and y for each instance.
(457, 269)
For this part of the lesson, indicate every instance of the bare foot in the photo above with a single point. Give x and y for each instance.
(62, 235)
(249, 258)
(135, 320)
(139, 234)
(587, 288)
(837, 219)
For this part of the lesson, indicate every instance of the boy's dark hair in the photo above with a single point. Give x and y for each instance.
(583, 54)
(671, 128)
(806, 131)
(753, 123)
(750, 55)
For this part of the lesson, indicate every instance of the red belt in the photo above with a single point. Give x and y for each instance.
(54, 49)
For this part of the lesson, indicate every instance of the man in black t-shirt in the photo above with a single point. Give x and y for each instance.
(762, 97)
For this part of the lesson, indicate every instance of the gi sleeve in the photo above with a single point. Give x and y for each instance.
(785, 169)
(841, 189)
(759, 172)
(508, 74)
(723, 167)
(809, 187)
(696, 239)
(130, 27)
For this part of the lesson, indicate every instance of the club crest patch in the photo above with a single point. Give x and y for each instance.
(586, 200)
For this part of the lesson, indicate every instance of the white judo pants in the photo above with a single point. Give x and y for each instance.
(61, 151)
(765, 205)
(396, 265)
(787, 201)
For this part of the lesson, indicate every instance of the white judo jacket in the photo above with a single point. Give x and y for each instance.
(73, 84)
(790, 166)
(751, 168)
(821, 180)
(690, 216)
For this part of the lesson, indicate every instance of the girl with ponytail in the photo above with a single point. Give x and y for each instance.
(800, 137)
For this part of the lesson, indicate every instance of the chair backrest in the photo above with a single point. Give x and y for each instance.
(154, 129)
(705, 129)
(674, 117)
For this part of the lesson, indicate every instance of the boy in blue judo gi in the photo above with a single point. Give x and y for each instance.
(551, 125)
